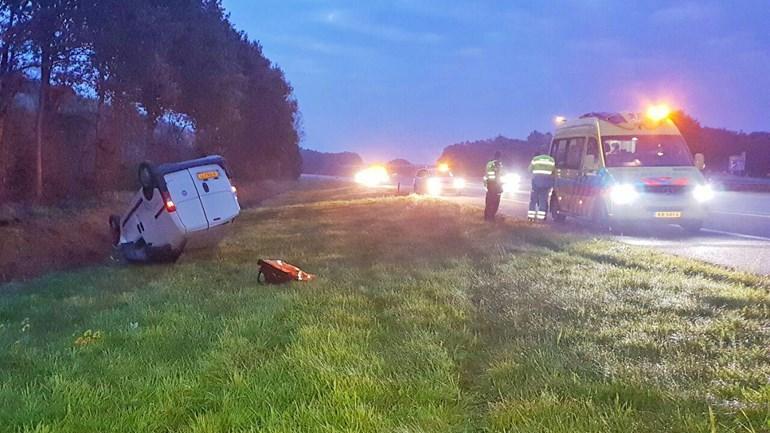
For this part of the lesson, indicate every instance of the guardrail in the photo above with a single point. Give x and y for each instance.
(746, 184)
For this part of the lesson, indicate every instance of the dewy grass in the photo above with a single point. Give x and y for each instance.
(423, 319)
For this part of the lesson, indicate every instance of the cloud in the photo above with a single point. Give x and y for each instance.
(318, 46)
(687, 11)
(347, 21)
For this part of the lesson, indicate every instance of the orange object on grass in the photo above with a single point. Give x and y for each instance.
(280, 272)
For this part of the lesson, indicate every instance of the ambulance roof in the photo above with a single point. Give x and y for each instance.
(620, 124)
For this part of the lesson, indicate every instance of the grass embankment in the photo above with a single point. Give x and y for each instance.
(36, 239)
(423, 319)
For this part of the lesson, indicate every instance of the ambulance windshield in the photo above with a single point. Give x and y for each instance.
(646, 151)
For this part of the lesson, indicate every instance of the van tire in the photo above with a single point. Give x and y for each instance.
(146, 175)
(115, 229)
(600, 217)
(556, 215)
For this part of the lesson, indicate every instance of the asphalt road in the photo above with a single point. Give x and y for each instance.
(737, 234)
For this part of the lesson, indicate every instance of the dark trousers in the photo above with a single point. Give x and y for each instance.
(494, 192)
(540, 197)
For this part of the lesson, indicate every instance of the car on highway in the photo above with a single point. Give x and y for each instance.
(621, 169)
(438, 181)
(180, 205)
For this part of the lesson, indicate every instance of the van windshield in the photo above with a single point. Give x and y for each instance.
(646, 151)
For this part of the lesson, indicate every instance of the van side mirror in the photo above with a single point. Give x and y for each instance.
(700, 161)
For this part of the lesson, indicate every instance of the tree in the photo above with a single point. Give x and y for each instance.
(14, 15)
(204, 57)
(263, 141)
(54, 31)
(131, 42)
(179, 62)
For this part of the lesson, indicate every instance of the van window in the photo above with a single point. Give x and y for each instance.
(592, 154)
(575, 152)
(560, 153)
(646, 151)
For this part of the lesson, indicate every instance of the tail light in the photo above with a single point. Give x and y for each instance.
(167, 202)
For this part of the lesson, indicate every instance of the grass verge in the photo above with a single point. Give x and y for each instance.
(423, 319)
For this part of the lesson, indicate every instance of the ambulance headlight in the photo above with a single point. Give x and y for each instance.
(703, 193)
(434, 186)
(458, 183)
(623, 193)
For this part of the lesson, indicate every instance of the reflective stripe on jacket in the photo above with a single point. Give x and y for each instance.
(493, 170)
(542, 164)
(492, 174)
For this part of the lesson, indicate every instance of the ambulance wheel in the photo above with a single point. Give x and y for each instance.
(601, 218)
(556, 215)
(692, 227)
(115, 229)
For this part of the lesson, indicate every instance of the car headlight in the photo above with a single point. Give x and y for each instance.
(434, 186)
(458, 183)
(510, 178)
(623, 193)
(372, 176)
(703, 193)
(510, 182)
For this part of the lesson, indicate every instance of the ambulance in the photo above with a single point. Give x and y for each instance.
(184, 205)
(625, 169)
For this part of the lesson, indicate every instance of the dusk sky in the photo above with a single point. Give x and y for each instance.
(406, 78)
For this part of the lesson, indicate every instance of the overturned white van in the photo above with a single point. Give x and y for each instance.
(182, 205)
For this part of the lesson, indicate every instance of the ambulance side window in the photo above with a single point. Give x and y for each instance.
(575, 153)
(591, 161)
(560, 153)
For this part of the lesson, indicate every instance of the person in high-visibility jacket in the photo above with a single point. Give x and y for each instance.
(541, 167)
(494, 187)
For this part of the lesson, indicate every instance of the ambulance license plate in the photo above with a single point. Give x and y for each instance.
(206, 175)
(668, 214)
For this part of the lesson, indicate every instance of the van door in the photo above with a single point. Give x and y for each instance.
(561, 186)
(216, 195)
(588, 184)
(185, 196)
(568, 167)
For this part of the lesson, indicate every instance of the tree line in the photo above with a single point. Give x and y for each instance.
(90, 87)
(717, 145)
(330, 163)
(470, 158)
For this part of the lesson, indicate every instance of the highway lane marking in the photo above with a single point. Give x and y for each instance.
(754, 215)
(515, 201)
(737, 235)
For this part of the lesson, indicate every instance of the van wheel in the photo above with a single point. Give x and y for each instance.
(556, 214)
(146, 175)
(115, 229)
(147, 180)
(601, 218)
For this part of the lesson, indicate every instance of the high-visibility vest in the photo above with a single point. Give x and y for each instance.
(493, 171)
(542, 164)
